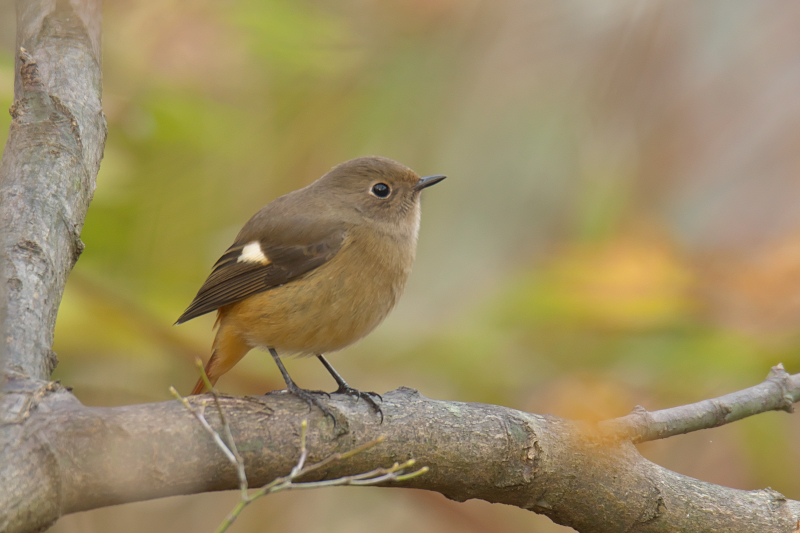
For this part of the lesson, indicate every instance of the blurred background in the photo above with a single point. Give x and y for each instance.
(620, 225)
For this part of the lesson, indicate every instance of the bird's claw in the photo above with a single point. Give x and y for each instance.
(310, 397)
(350, 391)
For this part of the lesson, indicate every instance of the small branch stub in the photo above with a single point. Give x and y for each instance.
(29, 72)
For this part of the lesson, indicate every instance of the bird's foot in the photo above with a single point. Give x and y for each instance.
(367, 396)
(311, 398)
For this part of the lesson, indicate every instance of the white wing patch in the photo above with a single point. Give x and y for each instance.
(252, 254)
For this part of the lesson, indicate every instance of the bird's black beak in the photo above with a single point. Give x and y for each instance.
(427, 181)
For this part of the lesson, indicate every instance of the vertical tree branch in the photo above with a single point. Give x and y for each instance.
(48, 170)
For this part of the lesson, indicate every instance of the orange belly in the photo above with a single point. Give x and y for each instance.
(326, 310)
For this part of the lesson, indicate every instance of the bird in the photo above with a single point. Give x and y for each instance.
(315, 270)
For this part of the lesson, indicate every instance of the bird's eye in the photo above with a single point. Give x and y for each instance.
(381, 190)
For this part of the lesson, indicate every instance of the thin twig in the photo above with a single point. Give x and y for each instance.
(203, 422)
(776, 393)
(231, 444)
(374, 477)
(342, 456)
(299, 470)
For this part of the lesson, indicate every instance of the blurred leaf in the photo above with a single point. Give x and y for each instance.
(630, 283)
(6, 92)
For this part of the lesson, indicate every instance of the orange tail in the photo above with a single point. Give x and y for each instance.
(229, 349)
(200, 387)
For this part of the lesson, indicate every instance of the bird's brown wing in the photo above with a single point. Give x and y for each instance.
(287, 252)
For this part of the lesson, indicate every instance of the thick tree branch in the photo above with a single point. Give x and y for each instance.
(49, 167)
(778, 392)
(93, 457)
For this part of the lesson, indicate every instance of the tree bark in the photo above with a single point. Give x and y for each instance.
(49, 168)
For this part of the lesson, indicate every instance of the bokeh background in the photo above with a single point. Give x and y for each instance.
(620, 225)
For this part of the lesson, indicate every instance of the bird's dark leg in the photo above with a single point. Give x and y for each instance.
(308, 396)
(344, 388)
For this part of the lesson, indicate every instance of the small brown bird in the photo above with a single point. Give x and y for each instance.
(315, 270)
